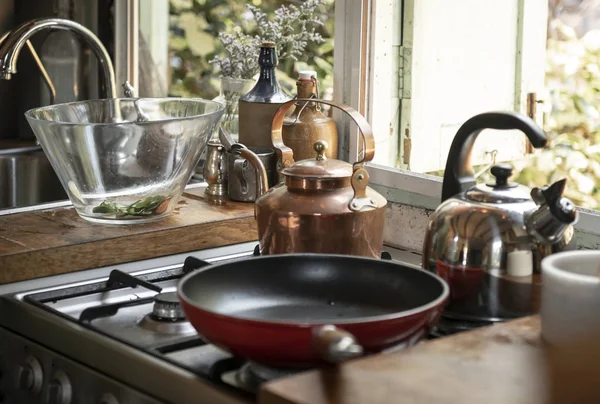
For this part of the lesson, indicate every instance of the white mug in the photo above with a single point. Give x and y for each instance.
(570, 296)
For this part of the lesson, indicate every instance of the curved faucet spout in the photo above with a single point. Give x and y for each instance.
(41, 68)
(14, 42)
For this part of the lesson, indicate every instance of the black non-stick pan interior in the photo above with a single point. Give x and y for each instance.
(311, 288)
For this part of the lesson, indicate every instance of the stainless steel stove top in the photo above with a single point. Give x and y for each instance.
(117, 335)
(91, 337)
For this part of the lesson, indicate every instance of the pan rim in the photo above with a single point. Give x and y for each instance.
(438, 301)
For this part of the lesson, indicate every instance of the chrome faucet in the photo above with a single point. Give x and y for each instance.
(14, 42)
(41, 68)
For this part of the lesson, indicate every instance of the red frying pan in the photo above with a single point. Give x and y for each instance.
(300, 310)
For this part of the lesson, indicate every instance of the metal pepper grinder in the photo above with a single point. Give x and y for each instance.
(215, 169)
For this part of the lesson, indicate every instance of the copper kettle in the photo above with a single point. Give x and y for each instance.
(321, 205)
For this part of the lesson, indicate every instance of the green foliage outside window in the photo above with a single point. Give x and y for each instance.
(572, 117)
(193, 43)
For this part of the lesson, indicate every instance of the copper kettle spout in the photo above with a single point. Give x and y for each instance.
(554, 214)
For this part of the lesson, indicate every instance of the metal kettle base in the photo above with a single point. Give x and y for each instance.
(489, 298)
(481, 320)
(484, 314)
(449, 326)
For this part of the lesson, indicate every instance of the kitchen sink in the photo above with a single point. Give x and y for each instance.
(26, 179)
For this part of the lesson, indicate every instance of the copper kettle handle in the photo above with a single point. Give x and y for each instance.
(360, 176)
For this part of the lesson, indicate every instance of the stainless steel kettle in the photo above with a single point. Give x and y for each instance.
(487, 240)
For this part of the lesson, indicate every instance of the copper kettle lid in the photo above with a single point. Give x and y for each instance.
(306, 173)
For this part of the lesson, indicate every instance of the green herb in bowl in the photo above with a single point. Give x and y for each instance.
(153, 205)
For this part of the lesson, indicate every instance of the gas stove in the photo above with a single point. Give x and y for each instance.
(118, 335)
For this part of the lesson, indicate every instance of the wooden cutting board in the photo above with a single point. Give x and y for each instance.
(42, 243)
(501, 364)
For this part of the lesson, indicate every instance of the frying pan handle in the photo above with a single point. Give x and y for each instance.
(335, 345)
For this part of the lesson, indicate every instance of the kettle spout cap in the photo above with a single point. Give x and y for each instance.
(552, 196)
(555, 190)
(555, 213)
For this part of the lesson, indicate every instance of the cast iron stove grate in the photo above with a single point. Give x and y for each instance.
(216, 363)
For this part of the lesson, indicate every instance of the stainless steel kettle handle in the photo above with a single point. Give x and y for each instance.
(360, 176)
(458, 176)
(262, 183)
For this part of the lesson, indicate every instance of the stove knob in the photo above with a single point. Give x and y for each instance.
(59, 389)
(108, 399)
(30, 376)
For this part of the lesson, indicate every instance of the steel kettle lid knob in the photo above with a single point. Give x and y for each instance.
(502, 173)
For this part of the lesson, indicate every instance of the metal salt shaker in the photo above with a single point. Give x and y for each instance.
(215, 169)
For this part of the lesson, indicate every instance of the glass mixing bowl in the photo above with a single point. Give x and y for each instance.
(116, 169)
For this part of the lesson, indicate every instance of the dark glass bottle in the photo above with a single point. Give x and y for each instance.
(257, 108)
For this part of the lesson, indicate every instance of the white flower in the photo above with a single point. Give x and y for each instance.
(591, 40)
(292, 29)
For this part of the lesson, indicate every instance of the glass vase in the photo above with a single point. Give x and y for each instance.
(231, 91)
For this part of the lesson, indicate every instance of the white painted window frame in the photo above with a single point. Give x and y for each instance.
(126, 56)
(351, 87)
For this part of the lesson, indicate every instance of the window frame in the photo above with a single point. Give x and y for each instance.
(126, 53)
(352, 64)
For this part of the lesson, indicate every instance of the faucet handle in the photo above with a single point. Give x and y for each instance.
(128, 89)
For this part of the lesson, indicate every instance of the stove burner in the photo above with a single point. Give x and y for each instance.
(251, 375)
(167, 316)
(151, 323)
(167, 307)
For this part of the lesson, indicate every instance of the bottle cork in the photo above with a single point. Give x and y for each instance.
(307, 74)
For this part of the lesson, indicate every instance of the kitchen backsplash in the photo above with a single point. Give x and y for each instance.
(405, 228)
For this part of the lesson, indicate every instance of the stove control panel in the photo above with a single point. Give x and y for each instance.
(31, 373)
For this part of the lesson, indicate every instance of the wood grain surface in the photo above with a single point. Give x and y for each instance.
(42, 243)
(501, 364)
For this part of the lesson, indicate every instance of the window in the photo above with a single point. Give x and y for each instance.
(193, 42)
(450, 61)
(417, 69)
(444, 62)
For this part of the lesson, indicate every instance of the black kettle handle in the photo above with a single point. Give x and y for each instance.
(458, 176)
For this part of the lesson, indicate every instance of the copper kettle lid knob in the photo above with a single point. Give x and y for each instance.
(320, 147)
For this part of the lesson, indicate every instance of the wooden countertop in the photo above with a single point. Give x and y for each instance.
(502, 364)
(41, 243)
